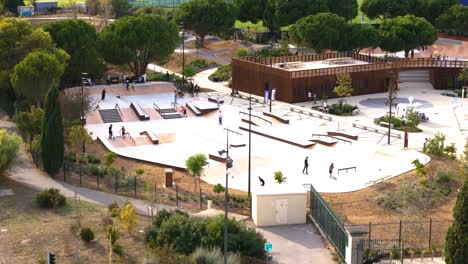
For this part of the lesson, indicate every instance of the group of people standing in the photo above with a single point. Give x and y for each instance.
(123, 132)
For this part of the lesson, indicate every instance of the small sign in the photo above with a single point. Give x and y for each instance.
(268, 247)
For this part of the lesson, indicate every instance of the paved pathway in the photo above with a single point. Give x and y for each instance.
(296, 244)
(25, 171)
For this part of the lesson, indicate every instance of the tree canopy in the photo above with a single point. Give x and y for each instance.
(18, 38)
(120, 8)
(406, 33)
(36, 74)
(435, 8)
(320, 32)
(455, 18)
(137, 41)
(79, 39)
(250, 10)
(385, 8)
(344, 8)
(206, 16)
(361, 36)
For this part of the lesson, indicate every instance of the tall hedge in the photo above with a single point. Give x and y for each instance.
(456, 245)
(52, 133)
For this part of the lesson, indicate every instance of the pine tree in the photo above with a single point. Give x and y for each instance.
(52, 133)
(456, 244)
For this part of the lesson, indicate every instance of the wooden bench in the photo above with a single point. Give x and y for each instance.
(386, 124)
(341, 134)
(141, 114)
(217, 158)
(193, 109)
(151, 136)
(277, 117)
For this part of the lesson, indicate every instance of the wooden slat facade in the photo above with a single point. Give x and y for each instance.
(250, 74)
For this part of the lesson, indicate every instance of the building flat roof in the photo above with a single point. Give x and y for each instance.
(312, 65)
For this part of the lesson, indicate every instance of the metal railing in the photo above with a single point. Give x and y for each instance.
(156, 107)
(119, 110)
(256, 116)
(346, 169)
(330, 224)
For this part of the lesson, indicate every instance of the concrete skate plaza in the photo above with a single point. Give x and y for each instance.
(182, 137)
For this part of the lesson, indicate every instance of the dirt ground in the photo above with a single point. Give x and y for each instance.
(188, 190)
(28, 232)
(175, 61)
(360, 207)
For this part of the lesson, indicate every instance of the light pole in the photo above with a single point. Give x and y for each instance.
(250, 150)
(229, 164)
(183, 53)
(83, 119)
(271, 76)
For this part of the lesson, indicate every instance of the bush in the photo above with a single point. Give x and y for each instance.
(223, 73)
(189, 70)
(279, 178)
(9, 148)
(341, 109)
(212, 256)
(117, 249)
(242, 53)
(114, 209)
(71, 157)
(181, 233)
(218, 188)
(93, 159)
(94, 170)
(50, 198)
(87, 235)
(199, 64)
(140, 171)
(109, 158)
(112, 232)
(158, 77)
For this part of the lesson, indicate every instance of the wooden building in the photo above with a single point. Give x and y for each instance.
(292, 79)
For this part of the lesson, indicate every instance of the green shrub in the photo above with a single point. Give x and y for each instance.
(71, 157)
(181, 233)
(341, 109)
(242, 53)
(86, 234)
(140, 171)
(212, 256)
(218, 188)
(444, 177)
(94, 170)
(93, 159)
(117, 249)
(456, 240)
(223, 73)
(279, 178)
(109, 158)
(50, 198)
(199, 64)
(9, 148)
(114, 209)
(189, 70)
(112, 232)
(435, 145)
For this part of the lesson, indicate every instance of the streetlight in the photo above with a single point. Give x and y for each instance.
(83, 118)
(183, 53)
(250, 149)
(229, 164)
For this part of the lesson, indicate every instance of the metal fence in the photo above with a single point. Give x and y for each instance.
(330, 224)
(403, 239)
(160, 3)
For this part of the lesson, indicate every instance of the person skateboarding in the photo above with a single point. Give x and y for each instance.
(306, 166)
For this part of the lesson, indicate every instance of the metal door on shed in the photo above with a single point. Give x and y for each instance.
(281, 211)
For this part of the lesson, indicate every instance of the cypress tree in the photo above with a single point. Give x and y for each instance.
(456, 244)
(52, 141)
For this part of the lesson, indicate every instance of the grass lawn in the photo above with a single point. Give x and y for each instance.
(28, 232)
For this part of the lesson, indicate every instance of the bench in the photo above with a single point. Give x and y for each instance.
(217, 158)
(386, 124)
(214, 100)
(141, 114)
(277, 117)
(193, 109)
(341, 134)
(151, 136)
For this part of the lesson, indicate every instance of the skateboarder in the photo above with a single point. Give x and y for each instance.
(220, 119)
(110, 132)
(306, 166)
(330, 169)
(103, 96)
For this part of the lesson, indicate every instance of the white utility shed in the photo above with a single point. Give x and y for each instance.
(279, 205)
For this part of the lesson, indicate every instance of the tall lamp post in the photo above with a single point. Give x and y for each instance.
(229, 164)
(271, 76)
(250, 150)
(183, 52)
(83, 118)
